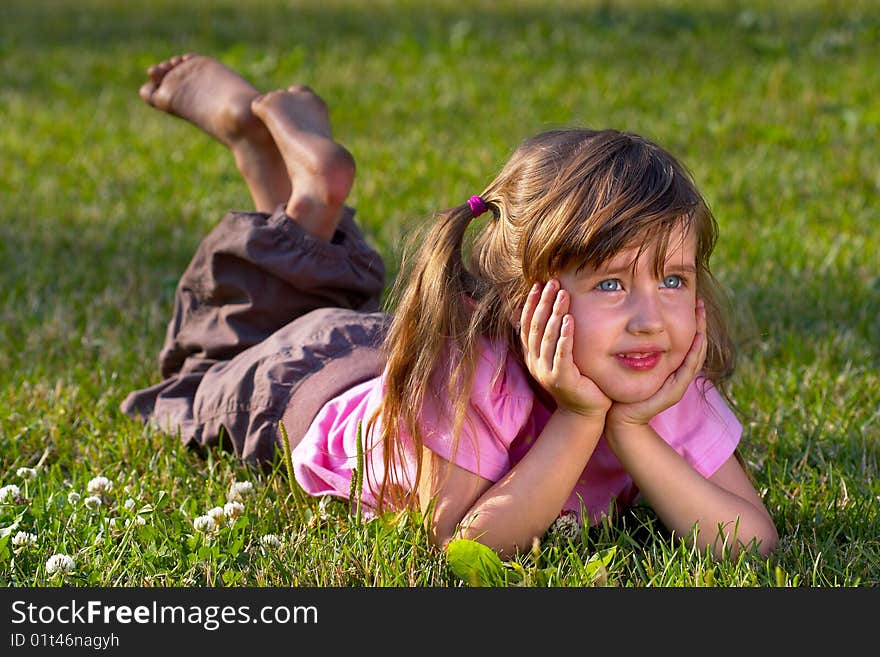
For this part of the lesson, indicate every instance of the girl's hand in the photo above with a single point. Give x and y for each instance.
(547, 337)
(674, 387)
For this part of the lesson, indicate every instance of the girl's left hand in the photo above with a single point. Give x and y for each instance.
(673, 389)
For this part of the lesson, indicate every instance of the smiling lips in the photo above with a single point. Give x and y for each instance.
(639, 360)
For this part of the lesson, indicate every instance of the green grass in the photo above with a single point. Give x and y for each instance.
(772, 105)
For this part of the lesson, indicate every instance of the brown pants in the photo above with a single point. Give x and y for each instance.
(269, 323)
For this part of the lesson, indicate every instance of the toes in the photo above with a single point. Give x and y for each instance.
(314, 98)
(146, 92)
(159, 71)
(257, 103)
(155, 72)
(261, 100)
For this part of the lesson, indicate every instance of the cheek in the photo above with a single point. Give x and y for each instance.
(685, 329)
(593, 334)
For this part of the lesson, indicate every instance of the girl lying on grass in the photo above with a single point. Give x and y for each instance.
(572, 365)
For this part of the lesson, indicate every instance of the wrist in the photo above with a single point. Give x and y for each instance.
(619, 429)
(618, 417)
(576, 410)
(568, 415)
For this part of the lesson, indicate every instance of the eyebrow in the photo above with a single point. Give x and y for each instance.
(602, 271)
(691, 269)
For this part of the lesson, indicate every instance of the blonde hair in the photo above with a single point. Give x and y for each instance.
(565, 197)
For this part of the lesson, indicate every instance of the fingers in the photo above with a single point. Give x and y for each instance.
(565, 344)
(696, 355)
(538, 324)
(528, 311)
(550, 341)
(543, 334)
(700, 346)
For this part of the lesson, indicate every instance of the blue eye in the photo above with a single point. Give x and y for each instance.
(610, 285)
(673, 281)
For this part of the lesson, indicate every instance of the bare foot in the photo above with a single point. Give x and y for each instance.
(216, 99)
(321, 170)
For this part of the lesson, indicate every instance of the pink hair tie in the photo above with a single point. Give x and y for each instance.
(478, 205)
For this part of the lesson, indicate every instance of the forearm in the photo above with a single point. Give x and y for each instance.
(523, 504)
(682, 497)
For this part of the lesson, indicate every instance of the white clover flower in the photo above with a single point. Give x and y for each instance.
(129, 504)
(205, 525)
(26, 473)
(93, 502)
(233, 510)
(23, 539)
(270, 541)
(10, 494)
(73, 497)
(566, 526)
(138, 520)
(239, 490)
(217, 514)
(99, 485)
(59, 563)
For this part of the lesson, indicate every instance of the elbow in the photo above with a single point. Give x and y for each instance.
(505, 546)
(441, 540)
(442, 537)
(766, 538)
(769, 542)
(442, 530)
(764, 541)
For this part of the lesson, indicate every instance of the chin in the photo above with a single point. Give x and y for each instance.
(631, 394)
(625, 398)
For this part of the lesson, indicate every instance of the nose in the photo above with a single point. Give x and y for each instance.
(646, 316)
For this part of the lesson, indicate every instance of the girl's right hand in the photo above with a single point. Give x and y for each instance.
(547, 337)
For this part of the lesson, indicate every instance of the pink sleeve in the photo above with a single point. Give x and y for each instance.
(702, 428)
(497, 411)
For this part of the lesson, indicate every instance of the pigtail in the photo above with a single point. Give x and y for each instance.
(428, 343)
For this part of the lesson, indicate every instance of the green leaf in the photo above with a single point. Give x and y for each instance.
(599, 562)
(161, 501)
(475, 563)
(231, 577)
(236, 546)
(6, 531)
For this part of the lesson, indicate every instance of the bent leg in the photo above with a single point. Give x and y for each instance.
(217, 100)
(252, 278)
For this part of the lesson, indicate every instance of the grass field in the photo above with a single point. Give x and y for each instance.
(773, 106)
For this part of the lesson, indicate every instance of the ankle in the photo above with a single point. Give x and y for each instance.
(313, 216)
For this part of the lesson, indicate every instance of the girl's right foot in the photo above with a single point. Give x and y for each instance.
(218, 100)
(321, 170)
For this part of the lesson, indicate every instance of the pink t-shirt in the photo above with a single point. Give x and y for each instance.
(505, 419)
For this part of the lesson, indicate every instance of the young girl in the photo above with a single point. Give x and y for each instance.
(572, 365)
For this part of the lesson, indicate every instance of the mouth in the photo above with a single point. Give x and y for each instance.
(639, 360)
